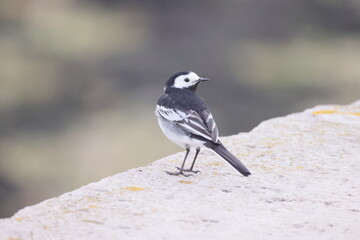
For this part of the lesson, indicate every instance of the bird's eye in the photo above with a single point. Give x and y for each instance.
(186, 80)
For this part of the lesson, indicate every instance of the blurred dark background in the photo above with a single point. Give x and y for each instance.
(79, 79)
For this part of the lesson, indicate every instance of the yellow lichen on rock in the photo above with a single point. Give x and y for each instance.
(324, 112)
(134, 189)
(19, 219)
(215, 164)
(185, 182)
(335, 111)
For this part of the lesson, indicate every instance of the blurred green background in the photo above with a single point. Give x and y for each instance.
(79, 79)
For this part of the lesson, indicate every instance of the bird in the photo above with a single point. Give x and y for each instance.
(185, 119)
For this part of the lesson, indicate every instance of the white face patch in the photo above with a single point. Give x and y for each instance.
(185, 81)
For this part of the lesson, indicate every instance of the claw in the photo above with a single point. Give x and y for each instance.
(178, 173)
(189, 170)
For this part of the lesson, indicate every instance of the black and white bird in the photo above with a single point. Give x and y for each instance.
(186, 120)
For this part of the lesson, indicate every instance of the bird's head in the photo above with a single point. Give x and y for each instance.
(184, 80)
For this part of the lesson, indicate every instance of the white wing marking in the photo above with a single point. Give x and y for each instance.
(211, 125)
(170, 114)
(194, 124)
(191, 122)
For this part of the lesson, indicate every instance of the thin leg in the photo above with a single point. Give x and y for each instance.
(193, 163)
(182, 166)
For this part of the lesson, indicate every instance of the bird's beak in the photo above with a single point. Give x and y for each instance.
(203, 79)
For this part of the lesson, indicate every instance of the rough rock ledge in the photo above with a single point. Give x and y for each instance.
(305, 184)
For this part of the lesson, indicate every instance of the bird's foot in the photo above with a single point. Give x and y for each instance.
(189, 170)
(179, 173)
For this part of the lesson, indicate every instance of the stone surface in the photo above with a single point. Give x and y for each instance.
(305, 184)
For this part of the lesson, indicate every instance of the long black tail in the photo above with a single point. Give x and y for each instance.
(225, 154)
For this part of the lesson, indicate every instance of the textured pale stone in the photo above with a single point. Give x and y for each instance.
(305, 184)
